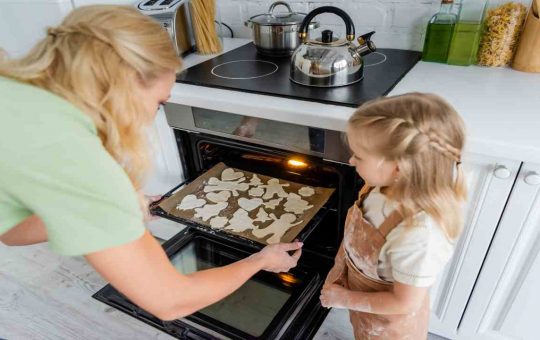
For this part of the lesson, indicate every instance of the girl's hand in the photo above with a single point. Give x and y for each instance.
(275, 257)
(334, 295)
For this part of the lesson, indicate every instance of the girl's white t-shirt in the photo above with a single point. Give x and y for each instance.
(413, 255)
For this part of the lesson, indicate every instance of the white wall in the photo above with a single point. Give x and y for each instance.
(398, 23)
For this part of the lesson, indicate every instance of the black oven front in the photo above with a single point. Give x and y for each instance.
(268, 306)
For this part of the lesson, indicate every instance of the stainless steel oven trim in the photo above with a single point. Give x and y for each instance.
(181, 117)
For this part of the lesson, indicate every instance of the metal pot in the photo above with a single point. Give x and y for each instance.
(276, 35)
(327, 61)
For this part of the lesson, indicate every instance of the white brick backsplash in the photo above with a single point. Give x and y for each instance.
(398, 23)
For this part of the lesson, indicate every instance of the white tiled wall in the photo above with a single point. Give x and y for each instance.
(398, 23)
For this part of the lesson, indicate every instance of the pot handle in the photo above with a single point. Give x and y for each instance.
(277, 3)
(349, 25)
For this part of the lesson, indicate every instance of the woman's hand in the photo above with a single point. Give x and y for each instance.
(334, 295)
(275, 257)
(149, 200)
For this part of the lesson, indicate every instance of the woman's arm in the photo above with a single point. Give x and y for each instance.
(403, 299)
(30, 231)
(141, 271)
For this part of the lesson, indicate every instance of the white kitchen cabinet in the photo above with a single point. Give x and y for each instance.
(505, 300)
(489, 182)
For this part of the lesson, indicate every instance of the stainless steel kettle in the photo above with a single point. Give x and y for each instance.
(327, 61)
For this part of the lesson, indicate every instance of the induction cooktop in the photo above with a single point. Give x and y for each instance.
(244, 69)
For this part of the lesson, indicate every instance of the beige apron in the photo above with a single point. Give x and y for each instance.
(364, 243)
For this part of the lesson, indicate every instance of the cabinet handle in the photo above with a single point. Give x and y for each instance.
(501, 172)
(532, 178)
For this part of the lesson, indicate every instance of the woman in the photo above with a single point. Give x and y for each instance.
(73, 114)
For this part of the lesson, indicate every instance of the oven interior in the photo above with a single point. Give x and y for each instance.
(200, 152)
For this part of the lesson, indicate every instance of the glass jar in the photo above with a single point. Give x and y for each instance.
(439, 33)
(503, 21)
(466, 35)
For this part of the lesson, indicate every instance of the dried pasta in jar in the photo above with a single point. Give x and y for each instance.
(502, 26)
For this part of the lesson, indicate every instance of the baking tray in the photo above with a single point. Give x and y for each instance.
(167, 206)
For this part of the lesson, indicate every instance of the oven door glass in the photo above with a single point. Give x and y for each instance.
(259, 308)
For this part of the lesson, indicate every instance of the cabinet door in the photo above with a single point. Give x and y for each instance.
(505, 300)
(489, 182)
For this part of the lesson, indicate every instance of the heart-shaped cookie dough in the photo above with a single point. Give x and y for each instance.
(217, 197)
(231, 175)
(249, 203)
(190, 202)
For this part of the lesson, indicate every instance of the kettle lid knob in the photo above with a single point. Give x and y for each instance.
(327, 36)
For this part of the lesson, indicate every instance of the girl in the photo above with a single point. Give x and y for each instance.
(401, 231)
(73, 119)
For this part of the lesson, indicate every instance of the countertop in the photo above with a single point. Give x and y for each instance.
(500, 106)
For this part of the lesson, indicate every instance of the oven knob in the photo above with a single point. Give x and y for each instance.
(532, 178)
(501, 172)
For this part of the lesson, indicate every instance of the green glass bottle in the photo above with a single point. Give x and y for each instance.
(466, 36)
(439, 33)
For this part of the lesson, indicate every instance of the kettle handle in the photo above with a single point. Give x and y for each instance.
(349, 25)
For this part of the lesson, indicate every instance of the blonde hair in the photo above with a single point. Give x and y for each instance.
(94, 59)
(425, 136)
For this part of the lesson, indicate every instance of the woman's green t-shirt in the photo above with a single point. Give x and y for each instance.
(53, 164)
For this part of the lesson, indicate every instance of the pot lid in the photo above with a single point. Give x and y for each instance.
(280, 18)
(269, 19)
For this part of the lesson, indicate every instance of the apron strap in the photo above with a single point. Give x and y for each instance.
(366, 189)
(392, 221)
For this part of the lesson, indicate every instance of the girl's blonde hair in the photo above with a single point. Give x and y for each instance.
(95, 59)
(425, 136)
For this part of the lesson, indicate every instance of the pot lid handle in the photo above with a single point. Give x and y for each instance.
(277, 3)
(349, 25)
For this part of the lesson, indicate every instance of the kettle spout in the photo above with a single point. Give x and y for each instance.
(366, 45)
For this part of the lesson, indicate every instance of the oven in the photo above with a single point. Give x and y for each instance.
(269, 305)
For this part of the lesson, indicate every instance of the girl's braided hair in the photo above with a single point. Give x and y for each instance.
(425, 136)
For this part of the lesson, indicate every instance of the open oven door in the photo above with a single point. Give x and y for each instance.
(268, 306)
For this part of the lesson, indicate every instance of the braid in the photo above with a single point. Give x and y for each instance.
(435, 141)
(442, 146)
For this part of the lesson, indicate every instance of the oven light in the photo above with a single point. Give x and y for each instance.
(296, 163)
(288, 279)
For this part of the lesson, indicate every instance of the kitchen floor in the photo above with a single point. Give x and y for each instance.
(44, 293)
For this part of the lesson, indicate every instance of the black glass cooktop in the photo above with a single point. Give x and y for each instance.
(244, 69)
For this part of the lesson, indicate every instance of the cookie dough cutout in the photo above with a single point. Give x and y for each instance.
(215, 184)
(278, 228)
(306, 191)
(210, 210)
(273, 187)
(272, 204)
(218, 197)
(296, 204)
(240, 221)
(255, 180)
(249, 204)
(231, 175)
(262, 216)
(190, 202)
(218, 222)
(256, 192)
